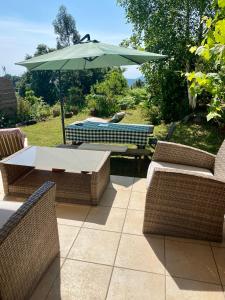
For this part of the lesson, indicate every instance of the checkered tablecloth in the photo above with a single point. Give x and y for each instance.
(109, 133)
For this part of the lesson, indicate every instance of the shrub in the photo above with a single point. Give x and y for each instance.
(75, 109)
(138, 94)
(6, 120)
(154, 115)
(76, 97)
(152, 112)
(126, 102)
(102, 105)
(32, 107)
(23, 109)
(114, 84)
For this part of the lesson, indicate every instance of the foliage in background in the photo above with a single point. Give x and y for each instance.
(41, 82)
(168, 27)
(113, 84)
(101, 105)
(56, 109)
(32, 107)
(126, 102)
(138, 84)
(210, 75)
(103, 100)
(133, 97)
(65, 28)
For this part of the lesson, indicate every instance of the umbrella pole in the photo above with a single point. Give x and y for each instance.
(62, 110)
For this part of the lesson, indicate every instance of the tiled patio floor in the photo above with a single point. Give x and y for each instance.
(104, 254)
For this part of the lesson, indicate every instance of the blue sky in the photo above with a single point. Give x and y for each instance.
(25, 24)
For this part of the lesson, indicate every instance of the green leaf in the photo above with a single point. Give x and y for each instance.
(213, 115)
(210, 39)
(193, 49)
(204, 52)
(208, 22)
(190, 76)
(219, 33)
(221, 3)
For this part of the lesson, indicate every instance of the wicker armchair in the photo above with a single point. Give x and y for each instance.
(28, 242)
(186, 192)
(11, 141)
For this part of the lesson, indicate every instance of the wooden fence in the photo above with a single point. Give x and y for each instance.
(8, 102)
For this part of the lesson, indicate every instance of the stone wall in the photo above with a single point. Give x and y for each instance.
(8, 103)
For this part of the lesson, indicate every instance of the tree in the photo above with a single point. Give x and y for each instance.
(114, 84)
(65, 28)
(209, 76)
(41, 82)
(167, 27)
(138, 83)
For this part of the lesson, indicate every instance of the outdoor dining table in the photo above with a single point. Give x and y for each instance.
(81, 176)
(121, 133)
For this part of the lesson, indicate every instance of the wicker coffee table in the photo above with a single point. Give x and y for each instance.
(81, 176)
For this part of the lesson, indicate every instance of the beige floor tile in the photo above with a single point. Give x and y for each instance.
(219, 254)
(106, 218)
(121, 182)
(141, 253)
(140, 185)
(115, 198)
(134, 222)
(67, 235)
(137, 200)
(95, 246)
(191, 261)
(183, 289)
(222, 244)
(47, 280)
(81, 280)
(13, 198)
(71, 214)
(135, 285)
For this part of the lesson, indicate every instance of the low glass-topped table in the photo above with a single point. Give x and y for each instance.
(80, 175)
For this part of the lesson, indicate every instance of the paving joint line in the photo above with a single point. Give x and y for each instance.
(118, 244)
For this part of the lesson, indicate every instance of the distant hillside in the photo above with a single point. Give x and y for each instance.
(131, 81)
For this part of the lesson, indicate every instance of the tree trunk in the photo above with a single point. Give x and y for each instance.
(191, 99)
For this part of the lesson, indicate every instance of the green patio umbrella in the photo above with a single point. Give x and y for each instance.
(87, 55)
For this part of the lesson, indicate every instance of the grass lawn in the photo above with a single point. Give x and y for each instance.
(205, 137)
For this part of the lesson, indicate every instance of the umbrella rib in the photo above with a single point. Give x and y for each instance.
(134, 61)
(36, 66)
(64, 64)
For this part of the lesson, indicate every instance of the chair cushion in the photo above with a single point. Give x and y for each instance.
(7, 209)
(117, 117)
(158, 164)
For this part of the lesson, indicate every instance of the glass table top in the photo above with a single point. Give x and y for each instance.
(48, 158)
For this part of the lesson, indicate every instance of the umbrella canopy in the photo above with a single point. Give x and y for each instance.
(89, 55)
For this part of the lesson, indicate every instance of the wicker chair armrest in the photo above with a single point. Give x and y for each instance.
(182, 184)
(182, 154)
(28, 244)
(183, 204)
